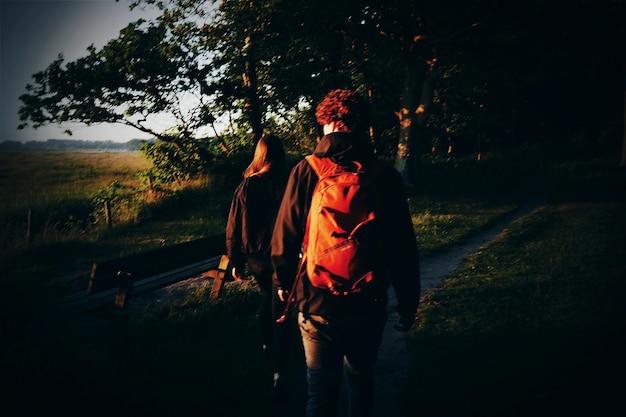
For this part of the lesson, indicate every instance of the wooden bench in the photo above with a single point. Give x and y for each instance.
(115, 281)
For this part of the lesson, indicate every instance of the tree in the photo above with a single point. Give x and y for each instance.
(263, 64)
(403, 26)
(257, 58)
(232, 35)
(133, 77)
(623, 160)
(415, 37)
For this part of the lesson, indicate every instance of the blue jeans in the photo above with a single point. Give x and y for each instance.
(341, 348)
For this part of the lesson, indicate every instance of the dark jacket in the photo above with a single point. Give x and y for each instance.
(398, 262)
(251, 217)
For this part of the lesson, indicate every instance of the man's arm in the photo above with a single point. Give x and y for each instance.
(290, 224)
(403, 262)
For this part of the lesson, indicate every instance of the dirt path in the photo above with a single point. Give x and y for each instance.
(395, 357)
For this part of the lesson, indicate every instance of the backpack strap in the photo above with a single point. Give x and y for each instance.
(322, 166)
(319, 167)
(325, 167)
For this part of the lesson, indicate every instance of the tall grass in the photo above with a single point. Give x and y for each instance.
(40, 179)
(57, 189)
(63, 192)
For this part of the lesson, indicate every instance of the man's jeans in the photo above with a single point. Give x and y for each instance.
(344, 347)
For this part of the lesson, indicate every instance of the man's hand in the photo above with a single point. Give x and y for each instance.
(283, 294)
(236, 274)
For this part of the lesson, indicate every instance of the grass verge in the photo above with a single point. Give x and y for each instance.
(533, 325)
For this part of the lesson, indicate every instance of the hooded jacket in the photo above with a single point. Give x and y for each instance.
(398, 261)
(251, 217)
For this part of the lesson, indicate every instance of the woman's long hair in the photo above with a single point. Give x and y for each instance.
(269, 155)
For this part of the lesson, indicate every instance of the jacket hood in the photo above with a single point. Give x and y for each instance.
(340, 146)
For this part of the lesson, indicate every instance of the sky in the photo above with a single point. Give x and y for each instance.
(33, 33)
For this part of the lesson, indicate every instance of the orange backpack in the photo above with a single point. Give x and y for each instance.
(341, 233)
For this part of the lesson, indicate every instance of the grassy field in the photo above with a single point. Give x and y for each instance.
(57, 188)
(60, 189)
(28, 175)
(503, 334)
(49, 181)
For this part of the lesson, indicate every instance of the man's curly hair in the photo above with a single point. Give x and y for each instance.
(344, 107)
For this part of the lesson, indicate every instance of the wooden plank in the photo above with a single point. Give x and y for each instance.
(161, 280)
(105, 275)
(218, 282)
(82, 302)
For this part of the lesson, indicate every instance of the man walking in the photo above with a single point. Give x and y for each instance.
(342, 325)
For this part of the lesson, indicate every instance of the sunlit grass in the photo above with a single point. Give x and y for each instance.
(440, 223)
(532, 325)
(29, 177)
(55, 189)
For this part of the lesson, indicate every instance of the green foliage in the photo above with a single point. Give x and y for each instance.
(124, 203)
(299, 133)
(109, 194)
(105, 197)
(240, 68)
(458, 123)
(131, 78)
(173, 161)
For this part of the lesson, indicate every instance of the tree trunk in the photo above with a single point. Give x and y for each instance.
(29, 227)
(623, 161)
(417, 95)
(250, 83)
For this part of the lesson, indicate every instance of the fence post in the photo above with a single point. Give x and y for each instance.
(29, 224)
(218, 276)
(107, 214)
(125, 286)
